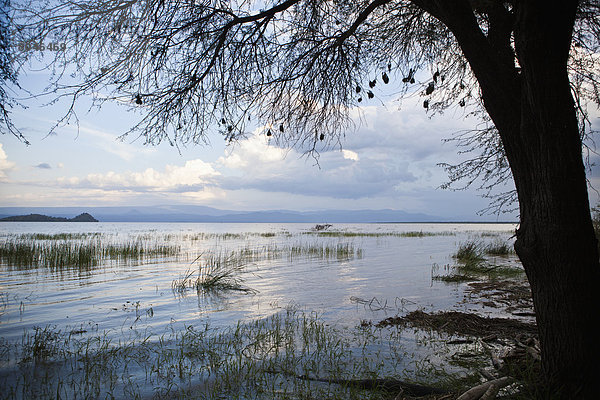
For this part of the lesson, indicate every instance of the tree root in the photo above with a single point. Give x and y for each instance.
(385, 384)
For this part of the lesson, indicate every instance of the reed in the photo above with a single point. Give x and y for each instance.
(31, 253)
(409, 234)
(260, 359)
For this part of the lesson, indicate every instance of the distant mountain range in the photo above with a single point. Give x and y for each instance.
(190, 213)
(185, 213)
(84, 217)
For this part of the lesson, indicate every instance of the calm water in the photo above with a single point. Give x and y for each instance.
(385, 274)
(120, 330)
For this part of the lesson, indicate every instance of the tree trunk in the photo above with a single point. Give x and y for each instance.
(556, 241)
(534, 112)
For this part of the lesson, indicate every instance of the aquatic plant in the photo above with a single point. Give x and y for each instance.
(498, 248)
(347, 234)
(82, 254)
(260, 359)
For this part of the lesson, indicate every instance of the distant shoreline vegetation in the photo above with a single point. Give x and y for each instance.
(85, 217)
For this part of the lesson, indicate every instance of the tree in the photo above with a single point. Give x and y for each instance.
(8, 73)
(297, 67)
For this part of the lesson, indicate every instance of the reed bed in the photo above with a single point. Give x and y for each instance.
(476, 260)
(345, 234)
(261, 359)
(31, 253)
(59, 236)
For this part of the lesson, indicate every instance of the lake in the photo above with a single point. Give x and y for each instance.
(138, 289)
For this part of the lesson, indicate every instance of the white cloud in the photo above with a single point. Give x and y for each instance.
(193, 174)
(350, 155)
(5, 165)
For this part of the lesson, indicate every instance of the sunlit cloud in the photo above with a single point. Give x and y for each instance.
(194, 174)
(5, 165)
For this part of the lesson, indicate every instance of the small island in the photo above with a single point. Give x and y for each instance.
(85, 217)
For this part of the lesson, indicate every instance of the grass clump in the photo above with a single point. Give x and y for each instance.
(499, 248)
(470, 254)
(215, 272)
(473, 263)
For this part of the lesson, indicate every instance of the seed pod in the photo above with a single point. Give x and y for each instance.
(357, 89)
(370, 94)
(321, 136)
(385, 78)
(269, 133)
(372, 83)
(426, 104)
(429, 88)
(138, 99)
(281, 128)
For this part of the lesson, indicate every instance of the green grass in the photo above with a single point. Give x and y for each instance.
(259, 360)
(473, 263)
(82, 254)
(216, 272)
(59, 236)
(345, 234)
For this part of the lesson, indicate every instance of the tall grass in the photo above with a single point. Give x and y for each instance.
(216, 271)
(473, 259)
(30, 253)
(418, 234)
(261, 359)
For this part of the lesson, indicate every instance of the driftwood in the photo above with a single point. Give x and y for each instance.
(383, 384)
(477, 392)
(387, 385)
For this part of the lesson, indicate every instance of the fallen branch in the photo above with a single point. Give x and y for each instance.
(384, 384)
(477, 392)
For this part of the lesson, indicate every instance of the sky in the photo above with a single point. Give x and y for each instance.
(390, 161)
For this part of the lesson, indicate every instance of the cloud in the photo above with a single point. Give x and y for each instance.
(5, 165)
(256, 165)
(192, 176)
(43, 166)
(350, 155)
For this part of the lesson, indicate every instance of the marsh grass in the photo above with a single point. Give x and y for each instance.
(409, 234)
(255, 360)
(216, 272)
(59, 236)
(476, 261)
(82, 254)
(221, 272)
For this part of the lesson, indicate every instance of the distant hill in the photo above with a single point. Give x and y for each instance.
(190, 213)
(193, 213)
(85, 217)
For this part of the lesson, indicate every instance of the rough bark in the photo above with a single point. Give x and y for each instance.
(534, 111)
(556, 240)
